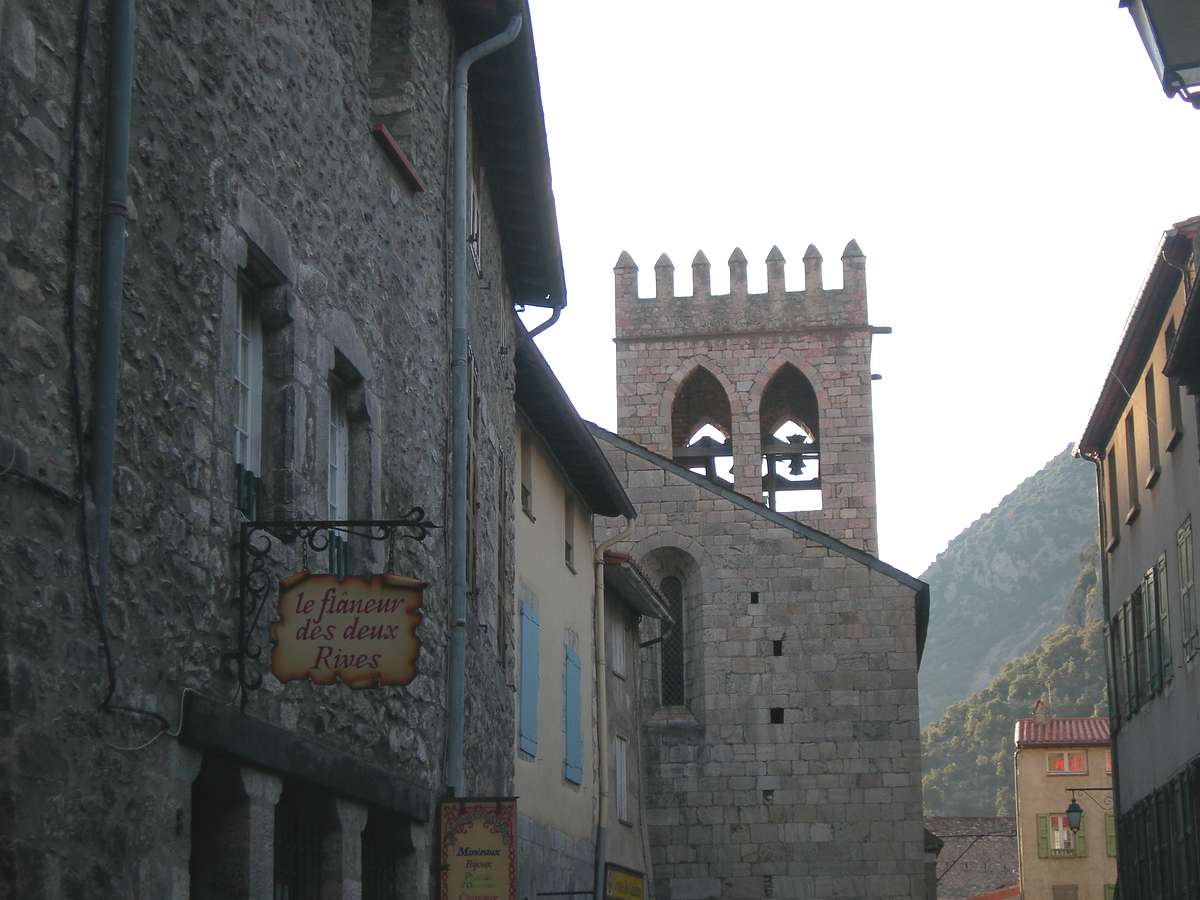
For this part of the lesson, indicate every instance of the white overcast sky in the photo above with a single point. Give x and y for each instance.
(1007, 168)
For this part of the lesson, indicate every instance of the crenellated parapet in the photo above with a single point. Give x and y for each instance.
(739, 311)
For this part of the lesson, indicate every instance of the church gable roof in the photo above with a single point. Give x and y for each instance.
(806, 532)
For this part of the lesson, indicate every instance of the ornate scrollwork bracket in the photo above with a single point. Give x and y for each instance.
(256, 582)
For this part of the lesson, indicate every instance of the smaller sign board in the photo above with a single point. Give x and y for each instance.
(361, 629)
(478, 848)
(623, 884)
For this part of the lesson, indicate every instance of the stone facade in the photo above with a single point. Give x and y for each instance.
(744, 340)
(780, 740)
(252, 163)
(793, 766)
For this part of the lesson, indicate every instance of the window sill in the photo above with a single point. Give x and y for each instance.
(1112, 544)
(529, 513)
(626, 823)
(1064, 774)
(1153, 477)
(570, 565)
(1173, 440)
(1133, 513)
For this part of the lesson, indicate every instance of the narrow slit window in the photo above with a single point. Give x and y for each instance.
(526, 474)
(753, 597)
(616, 646)
(1173, 398)
(1131, 465)
(569, 532)
(777, 648)
(1151, 423)
(776, 715)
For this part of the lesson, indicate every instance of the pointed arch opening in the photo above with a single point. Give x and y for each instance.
(702, 426)
(789, 423)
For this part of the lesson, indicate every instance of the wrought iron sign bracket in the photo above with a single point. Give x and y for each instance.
(256, 581)
(1104, 802)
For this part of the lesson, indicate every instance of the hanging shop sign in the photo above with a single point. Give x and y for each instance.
(623, 884)
(478, 840)
(361, 629)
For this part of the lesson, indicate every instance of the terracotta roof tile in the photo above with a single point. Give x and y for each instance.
(1061, 732)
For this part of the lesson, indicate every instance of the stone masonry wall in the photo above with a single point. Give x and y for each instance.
(825, 803)
(743, 340)
(250, 150)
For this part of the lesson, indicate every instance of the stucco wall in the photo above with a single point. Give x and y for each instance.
(250, 133)
(563, 600)
(1040, 793)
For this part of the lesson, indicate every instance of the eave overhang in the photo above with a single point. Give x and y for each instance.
(510, 136)
(544, 403)
(623, 577)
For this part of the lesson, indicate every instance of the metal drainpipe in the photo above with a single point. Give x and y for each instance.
(112, 273)
(602, 704)
(458, 516)
(1114, 713)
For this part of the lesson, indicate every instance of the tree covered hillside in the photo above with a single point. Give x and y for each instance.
(1002, 584)
(968, 760)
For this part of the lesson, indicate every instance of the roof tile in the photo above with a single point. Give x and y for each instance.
(1061, 732)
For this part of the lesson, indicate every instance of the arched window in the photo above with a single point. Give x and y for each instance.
(791, 448)
(702, 426)
(671, 674)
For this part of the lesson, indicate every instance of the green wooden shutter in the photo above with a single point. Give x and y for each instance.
(1043, 832)
(572, 720)
(1110, 833)
(1081, 837)
(529, 680)
(1110, 891)
(1164, 624)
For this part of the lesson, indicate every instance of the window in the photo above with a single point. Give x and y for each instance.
(474, 221)
(1107, 762)
(1151, 428)
(1150, 604)
(1114, 515)
(338, 480)
(527, 474)
(248, 390)
(1067, 762)
(572, 719)
(777, 648)
(616, 645)
(621, 781)
(1055, 838)
(1187, 592)
(1164, 625)
(1131, 468)
(1173, 395)
(528, 701)
(569, 531)
(776, 715)
(672, 645)
(1138, 650)
(789, 425)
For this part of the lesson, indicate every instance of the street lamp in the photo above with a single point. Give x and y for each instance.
(1074, 815)
(1170, 31)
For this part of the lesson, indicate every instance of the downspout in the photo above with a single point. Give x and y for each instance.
(458, 516)
(112, 273)
(601, 657)
(1114, 713)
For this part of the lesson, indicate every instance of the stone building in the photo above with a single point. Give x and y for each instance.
(284, 353)
(978, 856)
(781, 747)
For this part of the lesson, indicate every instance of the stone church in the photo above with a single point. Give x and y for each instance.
(782, 752)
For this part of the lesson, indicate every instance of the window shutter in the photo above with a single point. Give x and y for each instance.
(572, 732)
(1110, 891)
(1110, 833)
(1043, 836)
(1081, 837)
(529, 680)
(1164, 624)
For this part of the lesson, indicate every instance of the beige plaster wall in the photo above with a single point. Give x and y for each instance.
(563, 600)
(1041, 793)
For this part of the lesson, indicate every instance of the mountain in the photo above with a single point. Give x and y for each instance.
(1004, 582)
(967, 757)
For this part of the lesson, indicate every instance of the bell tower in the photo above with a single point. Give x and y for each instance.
(769, 393)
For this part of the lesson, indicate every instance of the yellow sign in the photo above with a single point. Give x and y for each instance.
(361, 629)
(623, 884)
(478, 849)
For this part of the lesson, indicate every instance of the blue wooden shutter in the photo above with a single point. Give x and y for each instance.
(572, 730)
(529, 681)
